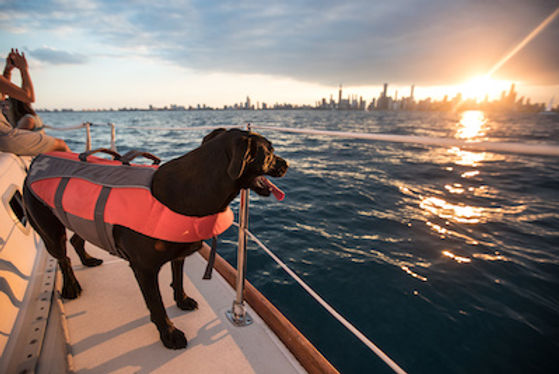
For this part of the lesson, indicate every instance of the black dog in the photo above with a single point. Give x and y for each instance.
(200, 183)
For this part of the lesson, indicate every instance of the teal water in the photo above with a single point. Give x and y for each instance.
(448, 260)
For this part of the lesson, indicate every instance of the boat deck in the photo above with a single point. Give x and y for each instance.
(110, 329)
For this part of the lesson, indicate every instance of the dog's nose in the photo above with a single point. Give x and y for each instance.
(281, 166)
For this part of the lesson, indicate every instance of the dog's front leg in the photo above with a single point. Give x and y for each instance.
(183, 302)
(170, 336)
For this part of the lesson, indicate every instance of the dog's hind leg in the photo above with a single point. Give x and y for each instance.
(147, 279)
(183, 302)
(79, 245)
(53, 233)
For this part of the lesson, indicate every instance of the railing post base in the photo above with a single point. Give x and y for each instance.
(238, 316)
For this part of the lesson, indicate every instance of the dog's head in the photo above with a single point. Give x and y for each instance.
(251, 156)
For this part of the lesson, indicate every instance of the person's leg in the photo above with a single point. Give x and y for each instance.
(26, 123)
(60, 145)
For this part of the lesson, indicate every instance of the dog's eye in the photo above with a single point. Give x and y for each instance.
(269, 159)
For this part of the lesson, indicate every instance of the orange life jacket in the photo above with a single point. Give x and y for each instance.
(92, 196)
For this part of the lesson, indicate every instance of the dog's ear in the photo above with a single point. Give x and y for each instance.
(213, 134)
(240, 155)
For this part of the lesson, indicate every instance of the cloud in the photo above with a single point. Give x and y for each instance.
(428, 42)
(57, 57)
(326, 42)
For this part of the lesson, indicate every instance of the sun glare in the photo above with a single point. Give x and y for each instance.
(483, 87)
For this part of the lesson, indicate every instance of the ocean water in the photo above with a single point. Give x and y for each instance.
(447, 259)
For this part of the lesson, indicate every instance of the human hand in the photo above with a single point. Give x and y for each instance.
(9, 65)
(18, 59)
(9, 62)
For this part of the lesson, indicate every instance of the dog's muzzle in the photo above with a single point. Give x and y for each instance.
(279, 168)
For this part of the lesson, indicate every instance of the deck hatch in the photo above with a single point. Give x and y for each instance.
(16, 205)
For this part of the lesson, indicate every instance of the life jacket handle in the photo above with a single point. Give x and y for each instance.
(84, 155)
(130, 155)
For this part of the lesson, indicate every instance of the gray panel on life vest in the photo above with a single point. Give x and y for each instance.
(88, 231)
(45, 166)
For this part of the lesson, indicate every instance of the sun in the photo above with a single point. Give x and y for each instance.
(484, 86)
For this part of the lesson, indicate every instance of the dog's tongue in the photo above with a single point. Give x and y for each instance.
(278, 194)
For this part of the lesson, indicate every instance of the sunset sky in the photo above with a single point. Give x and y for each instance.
(103, 54)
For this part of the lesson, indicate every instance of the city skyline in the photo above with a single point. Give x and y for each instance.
(95, 53)
(509, 101)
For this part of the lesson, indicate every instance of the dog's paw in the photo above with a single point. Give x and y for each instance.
(91, 261)
(173, 338)
(71, 290)
(187, 303)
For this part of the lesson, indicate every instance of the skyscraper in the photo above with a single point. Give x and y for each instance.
(383, 101)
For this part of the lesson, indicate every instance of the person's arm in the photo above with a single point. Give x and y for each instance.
(20, 62)
(8, 68)
(6, 74)
(24, 93)
(10, 89)
(60, 145)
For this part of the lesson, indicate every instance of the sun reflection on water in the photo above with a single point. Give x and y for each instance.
(455, 207)
(407, 270)
(470, 174)
(472, 125)
(454, 212)
(459, 259)
(456, 188)
(467, 158)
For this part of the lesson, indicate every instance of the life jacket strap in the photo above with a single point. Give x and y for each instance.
(99, 218)
(103, 232)
(211, 260)
(58, 201)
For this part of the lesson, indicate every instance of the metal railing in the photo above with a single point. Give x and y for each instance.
(87, 127)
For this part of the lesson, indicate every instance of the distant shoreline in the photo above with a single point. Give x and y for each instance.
(540, 108)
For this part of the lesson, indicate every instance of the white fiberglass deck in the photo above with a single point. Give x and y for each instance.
(110, 329)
